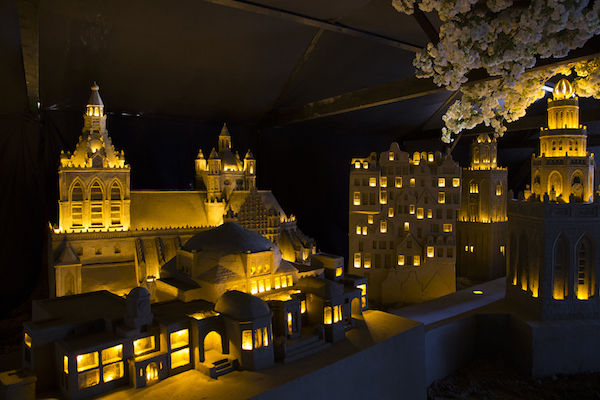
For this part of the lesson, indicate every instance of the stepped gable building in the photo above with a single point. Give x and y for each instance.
(481, 229)
(111, 237)
(554, 230)
(402, 224)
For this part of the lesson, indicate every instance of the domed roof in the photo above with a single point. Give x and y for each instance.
(229, 238)
(138, 292)
(242, 306)
(563, 90)
(95, 99)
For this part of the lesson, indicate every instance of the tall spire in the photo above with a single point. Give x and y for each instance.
(95, 99)
(224, 139)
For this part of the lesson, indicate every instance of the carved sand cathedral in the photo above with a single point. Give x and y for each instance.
(111, 237)
(482, 225)
(402, 224)
(554, 234)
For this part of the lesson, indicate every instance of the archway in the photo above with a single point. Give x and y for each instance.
(355, 307)
(151, 373)
(555, 184)
(213, 347)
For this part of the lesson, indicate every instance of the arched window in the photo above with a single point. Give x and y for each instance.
(475, 155)
(96, 206)
(77, 205)
(115, 204)
(560, 269)
(583, 283)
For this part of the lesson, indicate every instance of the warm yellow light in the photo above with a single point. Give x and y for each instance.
(303, 306)
(370, 219)
(502, 249)
(88, 378)
(364, 230)
(383, 181)
(420, 213)
(112, 354)
(87, 361)
(430, 157)
(473, 188)
(383, 227)
(268, 284)
(372, 182)
(337, 314)
(27, 340)
(247, 340)
(471, 249)
(398, 181)
(253, 287)
(417, 261)
(430, 251)
(400, 259)
(357, 198)
(455, 182)
(391, 157)
(478, 292)
(363, 289)
(391, 212)
(406, 226)
(290, 280)
(499, 190)
(180, 338)
(261, 286)
(66, 364)
(265, 336)
(365, 165)
(357, 165)
(467, 248)
(338, 271)
(383, 197)
(441, 197)
(143, 345)
(289, 323)
(180, 357)
(411, 209)
(113, 371)
(367, 260)
(327, 317)
(563, 90)
(429, 213)
(357, 259)
(447, 228)
(358, 230)
(412, 182)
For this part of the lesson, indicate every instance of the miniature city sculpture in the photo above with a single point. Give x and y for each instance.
(127, 235)
(402, 222)
(554, 226)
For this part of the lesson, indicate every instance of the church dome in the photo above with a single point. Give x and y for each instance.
(242, 306)
(563, 90)
(229, 238)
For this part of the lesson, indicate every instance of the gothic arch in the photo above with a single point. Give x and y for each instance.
(94, 184)
(115, 195)
(97, 195)
(584, 279)
(78, 185)
(560, 268)
(577, 181)
(116, 184)
(555, 181)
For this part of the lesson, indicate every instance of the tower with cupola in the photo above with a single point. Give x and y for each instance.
(94, 180)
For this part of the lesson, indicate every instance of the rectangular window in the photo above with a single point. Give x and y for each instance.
(261, 286)
(391, 156)
(303, 306)
(268, 284)
(283, 282)
(416, 261)
(112, 354)
(66, 364)
(327, 317)
(87, 361)
(258, 339)
(143, 345)
(357, 198)
(277, 282)
(180, 338)
(502, 249)
(253, 287)
(337, 313)
(391, 212)
(419, 213)
(357, 261)
(96, 214)
(383, 197)
(412, 182)
(247, 340)
(364, 230)
(473, 188)
(383, 181)
(455, 182)
(89, 378)
(358, 230)
(406, 226)
(411, 209)
(77, 214)
(115, 213)
(498, 190)
(113, 371)
(265, 336)
(290, 281)
(447, 228)
(441, 182)
(398, 181)
(180, 358)
(430, 252)
(383, 226)
(450, 252)
(370, 219)
(400, 259)
(27, 340)
(441, 197)
(372, 182)
(338, 271)
(367, 260)
(429, 213)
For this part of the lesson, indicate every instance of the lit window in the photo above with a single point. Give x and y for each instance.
(416, 158)
(290, 281)
(430, 251)
(441, 182)
(283, 282)
(400, 259)
(277, 282)
(429, 213)
(327, 317)
(265, 336)
(455, 182)
(364, 230)
(87, 361)
(261, 286)
(420, 213)
(247, 340)
(180, 338)
(406, 226)
(502, 249)
(473, 188)
(383, 227)
(113, 371)
(357, 165)
(412, 182)
(258, 338)
(357, 198)
(143, 345)
(430, 157)
(383, 181)
(416, 261)
(88, 378)
(411, 209)
(303, 306)
(367, 260)
(383, 197)
(391, 157)
(499, 190)
(27, 340)
(447, 228)
(66, 364)
(372, 182)
(338, 271)
(358, 229)
(398, 181)
(471, 249)
(267, 284)
(365, 165)
(467, 248)
(441, 197)
(370, 219)
(180, 358)
(112, 354)
(391, 212)
(253, 287)
(337, 313)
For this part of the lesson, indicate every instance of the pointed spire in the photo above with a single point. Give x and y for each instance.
(224, 130)
(95, 99)
(249, 155)
(213, 154)
(200, 154)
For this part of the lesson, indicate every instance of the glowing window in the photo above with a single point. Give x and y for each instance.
(357, 198)
(447, 228)
(383, 226)
(247, 340)
(180, 358)
(180, 338)
(430, 251)
(89, 378)
(441, 182)
(363, 289)
(27, 340)
(467, 248)
(337, 314)
(357, 165)
(289, 323)
(370, 219)
(429, 213)
(400, 259)
(261, 286)
(406, 226)
(372, 182)
(357, 260)
(430, 157)
(383, 197)
(441, 197)
(367, 260)
(338, 271)
(66, 364)
(258, 339)
(398, 182)
(420, 213)
(358, 229)
(455, 182)
(283, 282)
(471, 249)
(112, 354)
(416, 158)
(391, 212)
(265, 332)
(499, 190)
(290, 281)
(365, 165)
(143, 345)
(113, 371)
(391, 157)
(411, 209)
(416, 261)
(473, 188)
(502, 249)
(327, 317)
(267, 284)
(303, 306)
(87, 361)
(383, 181)
(253, 287)
(364, 230)
(412, 182)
